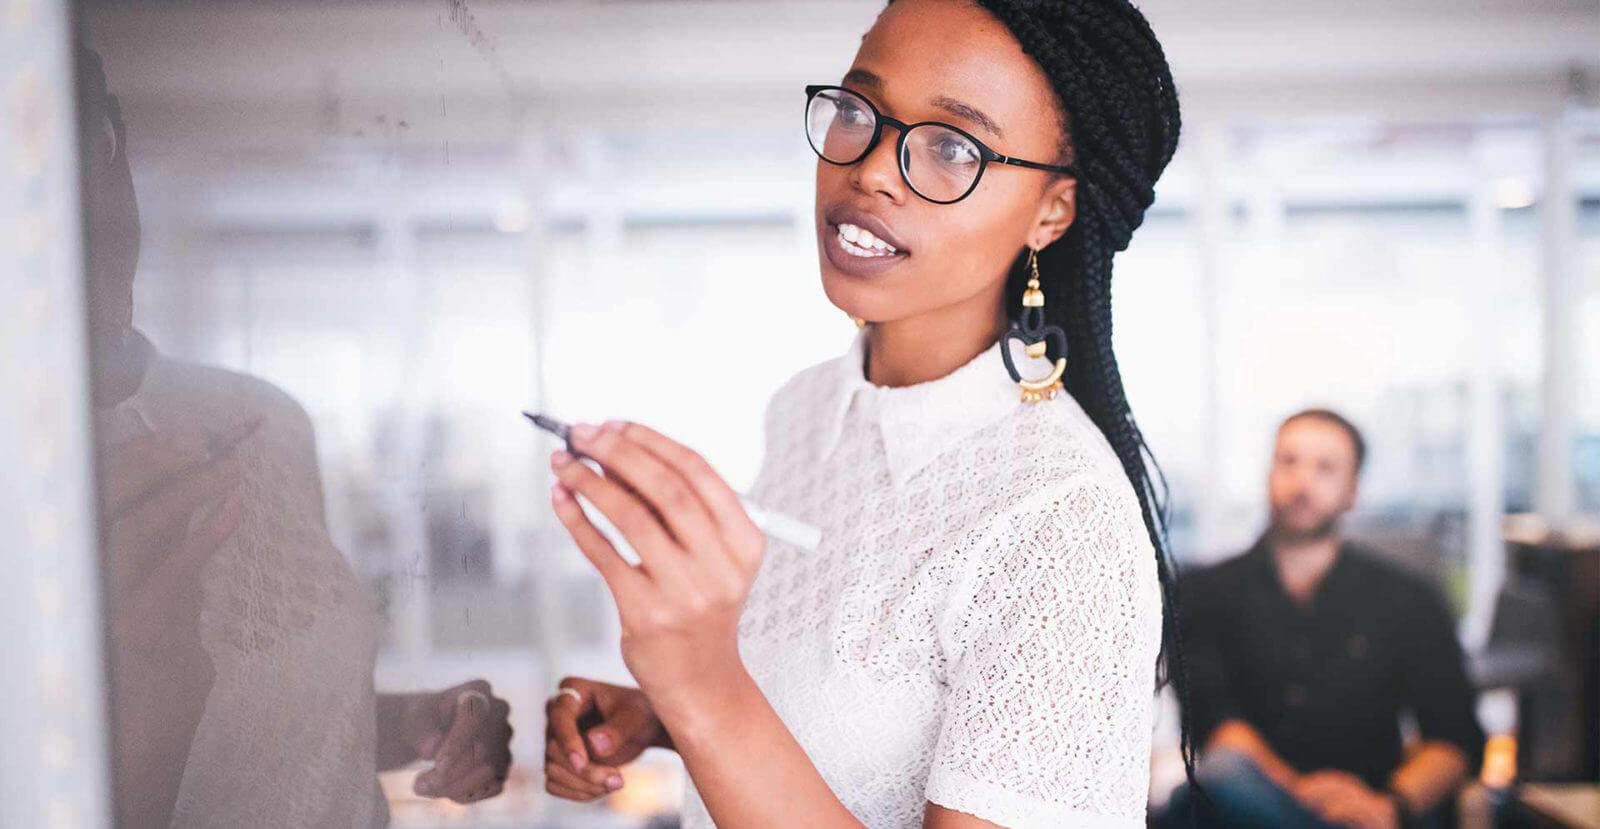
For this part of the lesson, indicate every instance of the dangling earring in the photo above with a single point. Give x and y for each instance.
(860, 323)
(1035, 336)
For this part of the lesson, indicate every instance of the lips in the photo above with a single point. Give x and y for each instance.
(858, 244)
(840, 216)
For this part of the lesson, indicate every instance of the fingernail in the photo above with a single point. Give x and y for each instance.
(578, 761)
(560, 494)
(560, 458)
(614, 425)
(584, 431)
(602, 741)
(613, 782)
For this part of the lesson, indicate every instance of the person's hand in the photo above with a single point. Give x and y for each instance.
(466, 732)
(1344, 799)
(591, 732)
(699, 553)
(168, 503)
(167, 506)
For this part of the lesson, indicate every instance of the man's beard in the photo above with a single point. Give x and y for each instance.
(1280, 530)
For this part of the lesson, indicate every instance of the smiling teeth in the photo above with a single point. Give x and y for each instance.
(858, 241)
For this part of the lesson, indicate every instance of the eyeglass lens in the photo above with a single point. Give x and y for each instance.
(939, 163)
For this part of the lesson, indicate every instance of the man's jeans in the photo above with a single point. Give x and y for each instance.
(1242, 797)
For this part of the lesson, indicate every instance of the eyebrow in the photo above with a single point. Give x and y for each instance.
(956, 107)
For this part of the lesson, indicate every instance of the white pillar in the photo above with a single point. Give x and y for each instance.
(53, 769)
(1485, 444)
(1211, 209)
(1556, 494)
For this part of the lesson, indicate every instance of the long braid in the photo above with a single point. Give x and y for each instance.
(1120, 122)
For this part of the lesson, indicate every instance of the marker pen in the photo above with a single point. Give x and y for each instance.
(774, 524)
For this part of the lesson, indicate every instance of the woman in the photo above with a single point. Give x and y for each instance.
(975, 642)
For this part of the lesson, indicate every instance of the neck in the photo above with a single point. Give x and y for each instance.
(1302, 563)
(928, 346)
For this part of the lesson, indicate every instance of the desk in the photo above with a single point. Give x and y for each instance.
(1564, 805)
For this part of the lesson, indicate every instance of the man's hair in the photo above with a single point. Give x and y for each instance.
(1357, 443)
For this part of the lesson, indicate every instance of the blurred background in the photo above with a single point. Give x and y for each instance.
(418, 218)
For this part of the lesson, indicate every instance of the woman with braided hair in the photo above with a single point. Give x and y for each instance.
(976, 640)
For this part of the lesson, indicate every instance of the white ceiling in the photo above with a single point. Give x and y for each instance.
(272, 72)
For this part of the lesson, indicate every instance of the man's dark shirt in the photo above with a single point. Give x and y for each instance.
(1325, 684)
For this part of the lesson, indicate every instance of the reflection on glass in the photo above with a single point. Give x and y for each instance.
(242, 644)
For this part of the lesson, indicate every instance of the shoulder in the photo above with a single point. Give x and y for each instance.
(221, 400)
(1060, 497)
(1403, 586)
(1229, 571)
(220, 390)
(1058, 458)
(798, 416)
(1209, 594)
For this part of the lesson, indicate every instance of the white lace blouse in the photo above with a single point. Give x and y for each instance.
(980, 625)
(287, 739)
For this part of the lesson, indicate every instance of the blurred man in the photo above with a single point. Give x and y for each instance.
(1304, 653)
(241, 645)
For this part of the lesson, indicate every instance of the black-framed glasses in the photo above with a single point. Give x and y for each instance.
(939, 162)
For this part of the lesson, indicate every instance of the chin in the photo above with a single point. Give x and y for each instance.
(842, 294)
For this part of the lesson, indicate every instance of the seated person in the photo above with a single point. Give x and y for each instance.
(1304, 652)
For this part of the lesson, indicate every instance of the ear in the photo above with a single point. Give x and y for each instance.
(1057, 210)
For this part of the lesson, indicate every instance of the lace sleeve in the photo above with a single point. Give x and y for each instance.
(1051, 676)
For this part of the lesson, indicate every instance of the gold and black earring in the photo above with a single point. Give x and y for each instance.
(1035, 337)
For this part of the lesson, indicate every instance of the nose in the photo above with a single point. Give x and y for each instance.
(879, 170)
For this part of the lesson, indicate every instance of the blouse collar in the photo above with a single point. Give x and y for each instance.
(922, 420)
(131, 415)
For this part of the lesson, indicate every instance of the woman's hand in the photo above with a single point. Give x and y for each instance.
(698, 550)
(591, 732)
(167, 506)
(466, 732)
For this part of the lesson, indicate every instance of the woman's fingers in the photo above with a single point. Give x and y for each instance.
(491, 789)
(562, 713)
(568, 793)
(720, 500)
(144, 611)
(627, 510)
(133, 470)
(662, 486)
(469, 786)
(618, 575)
(456, 755)
(625, 734)
(592, 780)
(175, 503)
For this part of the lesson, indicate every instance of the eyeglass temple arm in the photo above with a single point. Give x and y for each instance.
(1053, 168)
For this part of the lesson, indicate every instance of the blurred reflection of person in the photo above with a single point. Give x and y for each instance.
(1305, 652)
(241, 643)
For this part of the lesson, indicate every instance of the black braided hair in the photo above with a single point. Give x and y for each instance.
(1120, 125)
